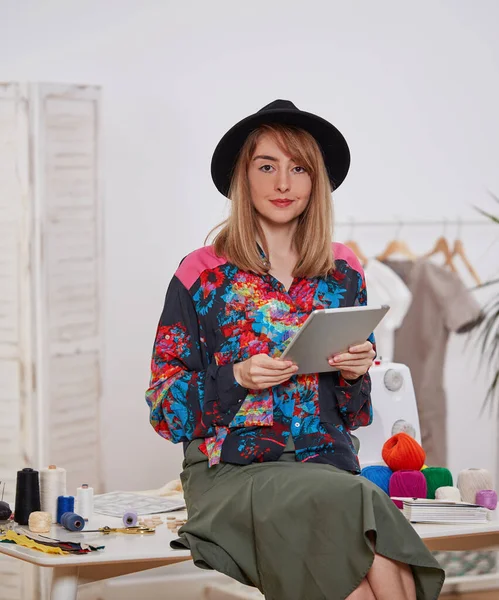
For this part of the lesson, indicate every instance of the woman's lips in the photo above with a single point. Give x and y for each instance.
(282, 203)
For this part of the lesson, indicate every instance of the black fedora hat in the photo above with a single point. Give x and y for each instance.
(332, 143)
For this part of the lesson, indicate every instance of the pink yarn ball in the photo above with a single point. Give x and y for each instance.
(408, 484)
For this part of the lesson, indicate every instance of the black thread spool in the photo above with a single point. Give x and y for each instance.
(27, 495)
(5, 512)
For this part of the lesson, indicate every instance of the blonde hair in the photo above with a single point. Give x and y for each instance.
(236, 240)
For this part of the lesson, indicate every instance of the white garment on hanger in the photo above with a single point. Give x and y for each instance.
(384, 286)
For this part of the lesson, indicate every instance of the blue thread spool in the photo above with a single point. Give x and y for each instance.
(130, 518)
(64, 504)
(72, 522)
(379, 475)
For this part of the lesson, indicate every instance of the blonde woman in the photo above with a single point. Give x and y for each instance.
(271, 474)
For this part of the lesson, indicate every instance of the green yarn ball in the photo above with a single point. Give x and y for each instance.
(436, 477)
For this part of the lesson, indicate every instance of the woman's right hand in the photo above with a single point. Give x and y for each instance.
(261, 371)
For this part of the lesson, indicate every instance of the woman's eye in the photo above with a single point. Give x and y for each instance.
(266, 168)
(300, 169)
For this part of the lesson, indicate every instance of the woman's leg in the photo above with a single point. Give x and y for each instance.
(363, 592)
(390, 579)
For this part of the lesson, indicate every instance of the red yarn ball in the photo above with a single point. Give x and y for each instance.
(402, 452)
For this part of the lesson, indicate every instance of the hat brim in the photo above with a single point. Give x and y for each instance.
(331, 142)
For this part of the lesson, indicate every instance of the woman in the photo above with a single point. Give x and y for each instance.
(271, 473)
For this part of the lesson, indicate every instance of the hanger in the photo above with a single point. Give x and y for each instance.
(459, 251)
(397, 246)
(355, 248)
(442, 246)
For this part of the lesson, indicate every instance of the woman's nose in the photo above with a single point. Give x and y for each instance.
(282, 183)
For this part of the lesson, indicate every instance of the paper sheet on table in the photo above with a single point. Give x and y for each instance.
(116, 504)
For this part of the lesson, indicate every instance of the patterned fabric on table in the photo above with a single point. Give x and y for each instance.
(215, 315)
(459, 564)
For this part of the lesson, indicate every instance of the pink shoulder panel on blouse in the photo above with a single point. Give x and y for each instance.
(204, 258)
(342, 252)
(195, 263)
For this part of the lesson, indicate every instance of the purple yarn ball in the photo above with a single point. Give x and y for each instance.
(487, 499)
(407, 484)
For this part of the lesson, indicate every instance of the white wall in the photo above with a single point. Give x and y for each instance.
(414, 88)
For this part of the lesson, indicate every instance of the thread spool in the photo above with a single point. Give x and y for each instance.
(401, 452)
(27, 495)
(471, 481)
(130, 518)
(403, 426)
(448, 493)
(5, 512)
(52, 485)
(378, 475)
(64, 504)
(72, 521)
(39, 522)
(407, 484)
(436, 477)
(85, 501)
(487, 499)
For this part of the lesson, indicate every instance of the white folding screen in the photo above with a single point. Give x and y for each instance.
(16, 401)
(50, 290)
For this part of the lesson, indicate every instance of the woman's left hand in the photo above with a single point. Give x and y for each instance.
(356, 362)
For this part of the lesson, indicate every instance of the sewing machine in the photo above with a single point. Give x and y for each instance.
(393, 400)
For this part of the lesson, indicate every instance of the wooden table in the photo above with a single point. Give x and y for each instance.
(460, 537)
(124, 554)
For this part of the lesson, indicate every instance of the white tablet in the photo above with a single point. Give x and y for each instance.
(331, 331)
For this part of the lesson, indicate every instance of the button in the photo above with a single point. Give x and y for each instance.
(297, 424)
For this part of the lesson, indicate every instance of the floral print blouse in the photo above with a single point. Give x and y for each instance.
(215, 315)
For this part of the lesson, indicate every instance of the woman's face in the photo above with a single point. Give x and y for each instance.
(280, 188)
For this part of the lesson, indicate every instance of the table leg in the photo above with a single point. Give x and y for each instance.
(64, 583)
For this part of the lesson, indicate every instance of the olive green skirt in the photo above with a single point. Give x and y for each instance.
(296, 531)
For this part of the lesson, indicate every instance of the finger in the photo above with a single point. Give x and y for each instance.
(352, 361)
(365, 347)
(266, 382)
(271, 375)
(277, 364)
(339, 358)
(370, 354)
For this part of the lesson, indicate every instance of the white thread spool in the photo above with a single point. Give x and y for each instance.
(402, 426)
(85, 501)
(471, 481)
(40, 522)
(448, 493)
(52, 485)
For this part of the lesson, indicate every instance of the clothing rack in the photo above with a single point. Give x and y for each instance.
(416, 223)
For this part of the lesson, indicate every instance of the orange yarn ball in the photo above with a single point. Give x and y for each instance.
(402, 452)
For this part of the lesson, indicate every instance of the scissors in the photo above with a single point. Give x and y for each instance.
(106, 530)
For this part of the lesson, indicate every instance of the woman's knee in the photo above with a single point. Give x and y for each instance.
(363, 592)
